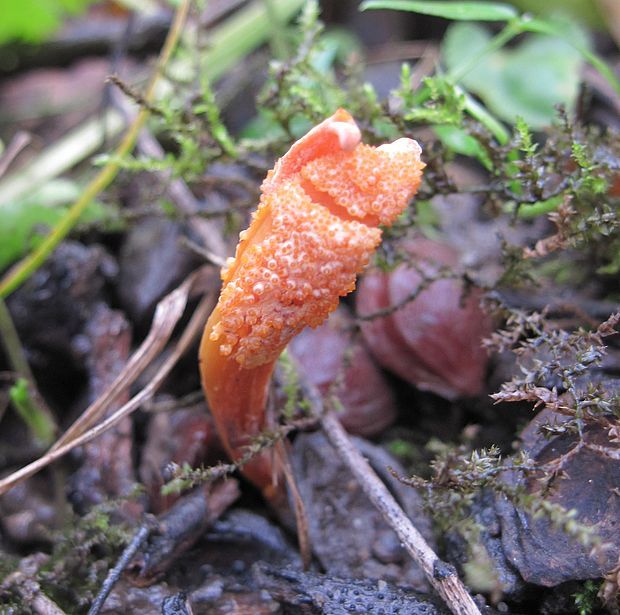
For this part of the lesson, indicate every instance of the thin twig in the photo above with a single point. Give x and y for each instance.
(134, 95)
(395, 307)
(301, 517)
(208, 255)
(176, 403)
(442, 576)
(444, 273)
(115, 573)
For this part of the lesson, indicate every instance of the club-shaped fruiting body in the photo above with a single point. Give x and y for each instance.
(315, 229)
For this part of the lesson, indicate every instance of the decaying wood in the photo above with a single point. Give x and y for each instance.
(180, 528)
(107, 469)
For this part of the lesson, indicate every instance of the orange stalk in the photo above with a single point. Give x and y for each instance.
(315, 229)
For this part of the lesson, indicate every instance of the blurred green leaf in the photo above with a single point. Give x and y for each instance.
(33, 20)
(19, 228)
(528, 80)
(558, 28)
(462, 11)
(457, 140)
(587, 12)
(24, 221)
(335, 45)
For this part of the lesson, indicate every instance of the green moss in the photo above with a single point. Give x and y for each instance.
(81, 557)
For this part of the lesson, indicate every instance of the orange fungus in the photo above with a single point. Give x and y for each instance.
(315, 229)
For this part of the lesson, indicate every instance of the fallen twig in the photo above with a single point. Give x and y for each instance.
(175, 532)
(442, 576)
(180, 528)
(123, 561)
(209, 257)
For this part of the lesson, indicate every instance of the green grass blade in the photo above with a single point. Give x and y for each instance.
(242, 33)
(40, 424)
(461, 11)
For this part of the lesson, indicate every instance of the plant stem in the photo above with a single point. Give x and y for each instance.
(12, 345)
(511, 30)
(480, 113)
(540, 208)
(20, 273)
(475, 109)
(279, 48)
(24, 394)
(39, 421)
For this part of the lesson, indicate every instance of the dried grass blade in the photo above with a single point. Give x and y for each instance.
(168, 313)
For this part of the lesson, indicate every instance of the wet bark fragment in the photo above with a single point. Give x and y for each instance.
(311, 593)
(107, 469)
(180, 528)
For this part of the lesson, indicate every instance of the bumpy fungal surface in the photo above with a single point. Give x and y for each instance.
(294, 277)
(313, 232)
(371, 184)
